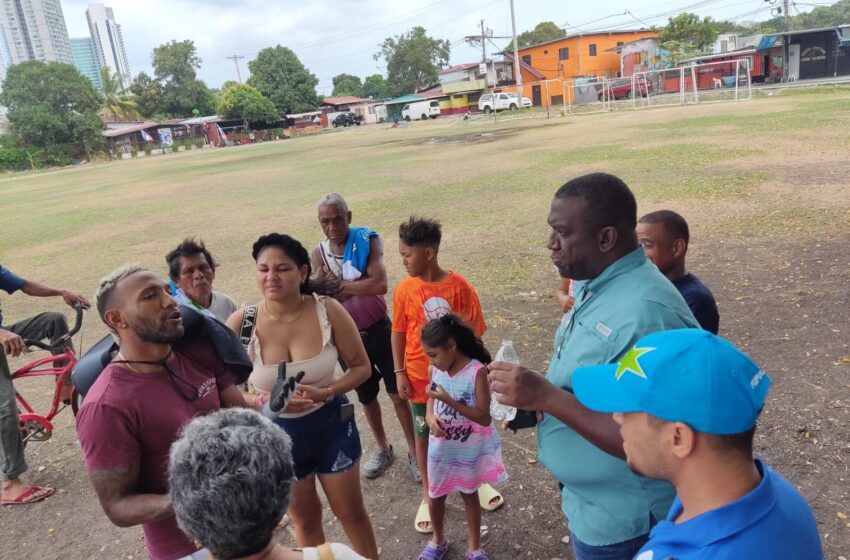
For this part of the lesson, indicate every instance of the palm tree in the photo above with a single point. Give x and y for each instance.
(118, 103)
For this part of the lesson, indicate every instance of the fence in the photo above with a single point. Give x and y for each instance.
(698, 83)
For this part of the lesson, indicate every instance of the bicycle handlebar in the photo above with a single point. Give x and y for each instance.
(78, 322)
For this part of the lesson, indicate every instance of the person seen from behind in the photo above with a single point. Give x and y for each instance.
(231, 476)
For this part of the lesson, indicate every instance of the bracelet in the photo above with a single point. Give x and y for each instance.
(402, 370)
(259, 400)
(330, 394)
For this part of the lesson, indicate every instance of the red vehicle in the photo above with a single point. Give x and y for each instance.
(621, 88)
(35, 426)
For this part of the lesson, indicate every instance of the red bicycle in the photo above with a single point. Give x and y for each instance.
(35, 426)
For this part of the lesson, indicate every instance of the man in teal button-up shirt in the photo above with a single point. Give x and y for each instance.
(619, 297)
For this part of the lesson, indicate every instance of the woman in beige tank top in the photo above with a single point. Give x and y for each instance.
(308, 331)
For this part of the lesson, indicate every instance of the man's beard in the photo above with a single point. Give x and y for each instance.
(158, 331)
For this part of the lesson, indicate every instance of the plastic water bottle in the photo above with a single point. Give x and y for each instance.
(497, 410)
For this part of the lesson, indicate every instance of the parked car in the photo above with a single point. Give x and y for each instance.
(347, 119)
(421, 110)
(501, 101)
(621, 88)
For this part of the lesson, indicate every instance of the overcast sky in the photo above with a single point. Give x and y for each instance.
(335, 36)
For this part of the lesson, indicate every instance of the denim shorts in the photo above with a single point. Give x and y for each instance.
(321, 442)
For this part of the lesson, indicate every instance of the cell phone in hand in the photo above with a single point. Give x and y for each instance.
(346, 411)
(523, 419)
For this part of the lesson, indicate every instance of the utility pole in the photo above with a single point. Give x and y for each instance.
(785, 13)
(235, 58)
(517, 73)
(484, 53)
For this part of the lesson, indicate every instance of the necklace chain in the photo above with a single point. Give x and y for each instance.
(281, 321)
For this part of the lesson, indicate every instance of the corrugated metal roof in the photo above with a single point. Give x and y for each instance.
(404, 99)
(344, 100)
(115, 129)
(459, 67)
(727, 54)
(610, 32)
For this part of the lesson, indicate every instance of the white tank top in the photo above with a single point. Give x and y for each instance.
(318, 370)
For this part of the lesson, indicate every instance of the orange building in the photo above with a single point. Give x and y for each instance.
(583, 55)
(546, 67)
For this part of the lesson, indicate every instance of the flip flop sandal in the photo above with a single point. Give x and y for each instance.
(477, 555)
(423, 516)
(486, 495)
(31, 495)
(433, 551)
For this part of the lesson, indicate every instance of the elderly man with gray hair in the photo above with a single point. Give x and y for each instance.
(140, 402)
(355, 256)
(231, 475)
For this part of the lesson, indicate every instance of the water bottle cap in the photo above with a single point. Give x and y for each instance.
(507, 342)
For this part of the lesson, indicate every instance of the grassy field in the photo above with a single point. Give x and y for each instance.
(765, 185)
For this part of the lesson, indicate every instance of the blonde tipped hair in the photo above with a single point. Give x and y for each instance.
(108, 284)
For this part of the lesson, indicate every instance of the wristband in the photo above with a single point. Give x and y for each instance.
(330, 394)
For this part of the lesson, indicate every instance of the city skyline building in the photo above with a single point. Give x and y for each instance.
(108, 41)
(85, 59)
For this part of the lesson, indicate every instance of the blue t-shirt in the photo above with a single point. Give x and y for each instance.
(9, 283)
(701, 301)
(772, 521)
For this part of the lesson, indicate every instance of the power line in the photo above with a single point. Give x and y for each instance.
(235, 58)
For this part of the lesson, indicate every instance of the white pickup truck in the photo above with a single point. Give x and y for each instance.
(501, 101)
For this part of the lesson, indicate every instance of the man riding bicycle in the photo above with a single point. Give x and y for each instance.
(42, 326)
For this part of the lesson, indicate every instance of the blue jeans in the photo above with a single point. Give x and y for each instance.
(625, 550)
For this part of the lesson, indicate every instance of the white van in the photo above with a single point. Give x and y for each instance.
(421, 110)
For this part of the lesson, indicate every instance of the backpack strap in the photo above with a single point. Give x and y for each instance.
(325, 552)
(249, 323)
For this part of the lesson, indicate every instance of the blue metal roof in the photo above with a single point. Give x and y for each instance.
(767, 42)
(404, 99)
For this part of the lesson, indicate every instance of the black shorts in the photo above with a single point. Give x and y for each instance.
(377, 340)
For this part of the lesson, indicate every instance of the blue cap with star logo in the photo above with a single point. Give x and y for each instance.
(686, 375)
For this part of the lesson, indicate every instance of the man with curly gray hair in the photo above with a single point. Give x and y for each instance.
(231, 474)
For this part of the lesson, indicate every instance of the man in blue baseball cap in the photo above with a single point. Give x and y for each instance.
(687, 402)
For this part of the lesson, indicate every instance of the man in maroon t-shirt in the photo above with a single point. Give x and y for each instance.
(136, 408)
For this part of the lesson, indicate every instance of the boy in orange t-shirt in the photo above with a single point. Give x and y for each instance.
(429, 292)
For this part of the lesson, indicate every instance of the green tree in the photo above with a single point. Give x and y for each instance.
(675, 52)
(413, 60)
(148, 94)
(375, 86)
(279, 75)
(174, 66)
(52, 106)
(542, 32)
(241, 101)
(118, 103)
(691, 30)
(346, 84)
